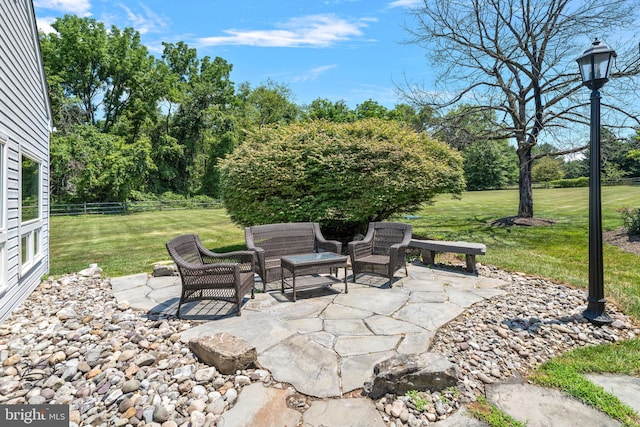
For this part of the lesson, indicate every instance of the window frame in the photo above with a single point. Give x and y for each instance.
(30, 234)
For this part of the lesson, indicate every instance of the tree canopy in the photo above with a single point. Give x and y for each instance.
(128, 123)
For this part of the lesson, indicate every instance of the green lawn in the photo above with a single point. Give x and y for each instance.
(128, 244)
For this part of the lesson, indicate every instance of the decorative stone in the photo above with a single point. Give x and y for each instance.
(125, 404)
(93, 373)
(160, 414)
(131, 385)
(164, 268)
(126, 355)
(9, 386)
(231, 395)
(401, 373)
(145, 359)
(205, 375)
(93, 271)
(129, 413)
(397, 407)
(226, 352)
(11, 360)
(242, 380)
(57, 357)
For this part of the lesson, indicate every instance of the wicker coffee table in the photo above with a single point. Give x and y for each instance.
(314, 263)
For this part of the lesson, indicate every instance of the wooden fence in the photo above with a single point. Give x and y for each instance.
(123, 208)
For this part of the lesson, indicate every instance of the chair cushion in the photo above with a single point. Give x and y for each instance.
(374, 259)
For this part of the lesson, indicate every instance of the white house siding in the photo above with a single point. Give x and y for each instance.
(25, 123)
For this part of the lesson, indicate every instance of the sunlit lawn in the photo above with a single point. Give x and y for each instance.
(128, 244)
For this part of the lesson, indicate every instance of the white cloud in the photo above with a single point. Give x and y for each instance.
(44, 24)
(78, 7)
(306, 31)
(405, 3)
(314, 73)
(146, 22)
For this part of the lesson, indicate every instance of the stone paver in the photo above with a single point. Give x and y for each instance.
(624, 387)
(429, 316)
(356, 370)
(542, 407)
(261, 406)
(310, 367)
(262, 331)
(342, 412)
(379, 301)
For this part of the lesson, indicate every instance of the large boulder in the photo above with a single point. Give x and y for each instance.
(401, 373)
(227, 353)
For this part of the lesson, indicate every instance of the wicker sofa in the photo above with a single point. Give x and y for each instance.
(271, 242)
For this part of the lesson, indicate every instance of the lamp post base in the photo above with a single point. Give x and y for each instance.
(596, 314)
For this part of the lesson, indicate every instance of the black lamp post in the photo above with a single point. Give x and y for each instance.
(595, 64)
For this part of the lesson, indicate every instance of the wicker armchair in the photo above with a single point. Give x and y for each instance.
(382, 251)
(209, 276)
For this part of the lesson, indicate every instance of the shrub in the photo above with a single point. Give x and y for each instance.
(547, 169)
(631, 219)
(582, 181)
(342, 175)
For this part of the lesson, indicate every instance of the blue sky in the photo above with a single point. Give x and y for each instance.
(347, 50)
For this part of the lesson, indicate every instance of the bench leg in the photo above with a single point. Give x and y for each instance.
(428, 257)
(471, 263)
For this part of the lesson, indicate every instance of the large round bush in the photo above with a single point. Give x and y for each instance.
(342, 175)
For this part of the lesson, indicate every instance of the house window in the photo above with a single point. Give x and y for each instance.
(30, 204)
(30, 189)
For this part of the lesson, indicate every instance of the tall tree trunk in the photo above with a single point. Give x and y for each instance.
(525, 208)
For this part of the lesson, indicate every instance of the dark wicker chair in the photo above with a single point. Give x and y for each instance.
(209, 276)
(382, 251)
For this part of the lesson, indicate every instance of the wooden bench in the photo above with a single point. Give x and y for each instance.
(429, 249)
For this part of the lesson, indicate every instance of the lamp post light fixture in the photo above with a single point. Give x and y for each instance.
(595, 64)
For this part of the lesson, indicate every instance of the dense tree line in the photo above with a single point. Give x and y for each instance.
(130, 125)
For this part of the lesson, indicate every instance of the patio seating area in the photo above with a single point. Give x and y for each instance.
(271, 242)
(281, 251)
